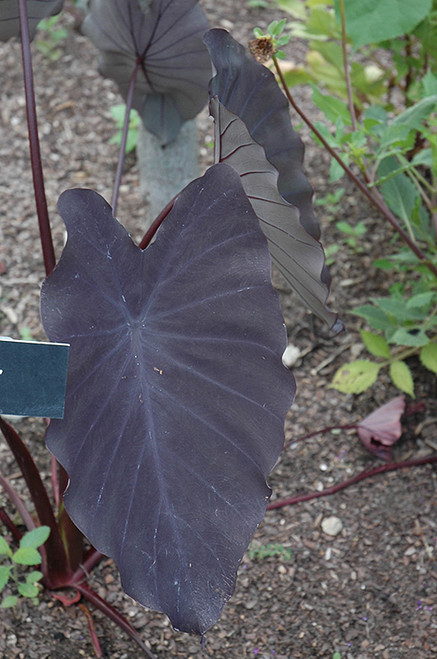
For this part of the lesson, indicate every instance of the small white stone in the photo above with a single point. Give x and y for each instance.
(291, 355)
(332, 525)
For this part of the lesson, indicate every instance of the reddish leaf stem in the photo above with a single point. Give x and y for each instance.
(92, 630)
(156, 224)
(35, 153)
(374, 197)
(122, 153)
(114, 615)
(382, 469)
(9, 524)
(18, 503)
(56, 570)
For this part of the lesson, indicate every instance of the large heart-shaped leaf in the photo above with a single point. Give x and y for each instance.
(166, 38)
(249, 90)
(176, 394)
(36, 11)
(298, 255)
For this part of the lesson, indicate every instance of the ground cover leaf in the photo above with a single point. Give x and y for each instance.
(428, 357)
(401, 377)
(355, 377)
(176, 395)
(171, 85)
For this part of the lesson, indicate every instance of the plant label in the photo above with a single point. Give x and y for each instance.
(33, 378)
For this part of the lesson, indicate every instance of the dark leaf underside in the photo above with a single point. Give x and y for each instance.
(176, 395)
(36, 11)
(298, 255)
(249, 90)
(171, 85)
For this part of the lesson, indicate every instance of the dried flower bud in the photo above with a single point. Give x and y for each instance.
(262, 49)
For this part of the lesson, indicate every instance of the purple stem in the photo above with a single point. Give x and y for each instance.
(156, 224)
(122, 153)
(92, 558)
(298, 498)
(6, 520)
(18, 503)
(57, 569)
(35, 153)
(113, 615)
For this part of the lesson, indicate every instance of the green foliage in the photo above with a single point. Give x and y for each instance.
(13, 576)
(269, 551)
(50, 35)
(407, 33)
(118, 112)
(373, 21)
(394, 148)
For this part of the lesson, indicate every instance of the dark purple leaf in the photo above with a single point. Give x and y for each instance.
(297, 255)
(249, 90)
(381, 429)
(176, 394)
(171, 85)
(36, 11)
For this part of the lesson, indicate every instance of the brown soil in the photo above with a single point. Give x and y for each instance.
(368, 592)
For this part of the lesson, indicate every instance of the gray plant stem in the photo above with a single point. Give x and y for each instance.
(373, 196)
(122, 153)
(346, 66)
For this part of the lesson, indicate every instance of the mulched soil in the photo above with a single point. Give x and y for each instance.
(368, 592)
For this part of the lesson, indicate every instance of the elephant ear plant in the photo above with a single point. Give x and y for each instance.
(176, 391)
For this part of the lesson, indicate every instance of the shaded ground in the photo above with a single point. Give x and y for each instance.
(368, 592)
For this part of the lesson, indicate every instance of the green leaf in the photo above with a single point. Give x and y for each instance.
(375, 344)
(399, 310)
(428, 357)
(372, 21)
(294, 7)
(399, 192)
(429, 84)
(414, 116)
(376, 317)
(36, 537)
(5, 573)
(332, 107)
(355, 377)
(421, 300)
(401, 377)
(4, 547)
(27, 556)
(28, 589)
(9, 602)
(405, 337)
(34, 576)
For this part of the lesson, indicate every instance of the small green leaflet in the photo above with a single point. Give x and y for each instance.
(375, 344)
(355, 377)
(36, 537)
(428, 357)
(5, 573)
(27, 556)
(401, 377)
(9, 602)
